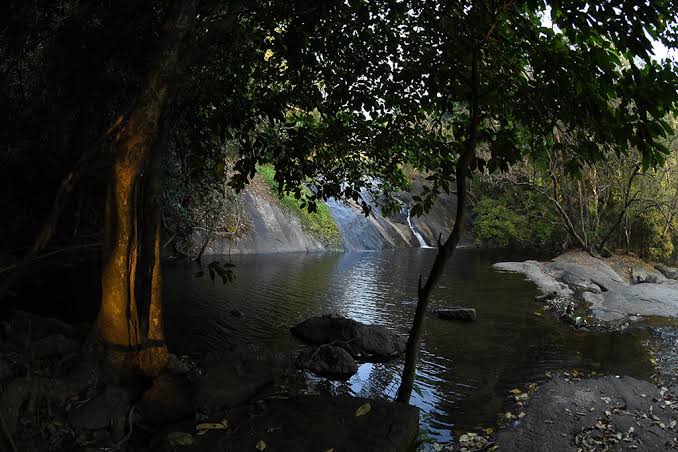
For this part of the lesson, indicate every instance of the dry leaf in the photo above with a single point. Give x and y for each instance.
(516, 391)
(363, 409)
(210, 426)
(180, 439)
(261, 445)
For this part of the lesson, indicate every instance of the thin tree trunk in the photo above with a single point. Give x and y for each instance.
(446, 250)
(628, 199)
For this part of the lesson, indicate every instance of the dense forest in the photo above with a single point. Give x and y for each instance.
(133, 132)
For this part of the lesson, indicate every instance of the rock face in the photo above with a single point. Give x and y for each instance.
(564, 416)
(641, 275)
(463, 314)
(534, 272)
(327, 360)
(641, 299)
(273, 229)
(360, 340)
(668, 272)
(596, 276)
(610, 297)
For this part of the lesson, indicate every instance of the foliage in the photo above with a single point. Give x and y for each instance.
(196, 200)
(317, 220)
(650, 238)
(515, 219)
(497, 225)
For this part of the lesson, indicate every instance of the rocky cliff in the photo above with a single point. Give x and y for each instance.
(275, 228)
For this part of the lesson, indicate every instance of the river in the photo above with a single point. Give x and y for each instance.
(466, 370)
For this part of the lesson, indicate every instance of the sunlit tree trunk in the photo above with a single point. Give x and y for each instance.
(118, 325)
(129, 323)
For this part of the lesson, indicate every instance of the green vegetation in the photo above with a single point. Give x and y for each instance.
(320, 223)
(519, 223)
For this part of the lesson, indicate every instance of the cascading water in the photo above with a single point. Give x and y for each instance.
(420, 238)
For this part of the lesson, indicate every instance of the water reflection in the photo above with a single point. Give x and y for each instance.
(466, 370)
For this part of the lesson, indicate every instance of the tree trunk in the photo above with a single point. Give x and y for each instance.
(445, 250)
(118, 327)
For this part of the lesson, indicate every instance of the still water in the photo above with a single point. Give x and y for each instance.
(466, 370)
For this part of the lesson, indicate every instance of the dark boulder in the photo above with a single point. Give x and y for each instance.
(234, 377)
(327, 360)
(463, 314)
(168, 400)
(358, 339)
(109, 407)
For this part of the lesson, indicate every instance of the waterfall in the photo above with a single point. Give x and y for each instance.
(420, 238)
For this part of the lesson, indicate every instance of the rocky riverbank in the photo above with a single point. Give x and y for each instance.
(591, 292)
(243, 399)
(571, 412)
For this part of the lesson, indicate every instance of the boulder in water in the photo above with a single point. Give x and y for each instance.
(463, 314)
(358, 339)
(327, 360)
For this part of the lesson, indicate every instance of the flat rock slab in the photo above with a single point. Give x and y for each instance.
(310, 423)
(534, 272)
(561, 414)
(645, 299)
(611, 298)
(359, 339)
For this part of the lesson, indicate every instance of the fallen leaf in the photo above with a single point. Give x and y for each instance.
(516, 391)
(210, 426)
(260, 445)
(363, 409)
(180, 439)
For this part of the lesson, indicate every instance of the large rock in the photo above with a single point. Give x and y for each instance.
(641, 299)
(596, 275)
(362, 341)
(641, 275)
(534, 272)
(562, 416)
(463, 314)
(327, 360)
(234, 377)
(668, 272)
(168, 400)
(110, 406)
